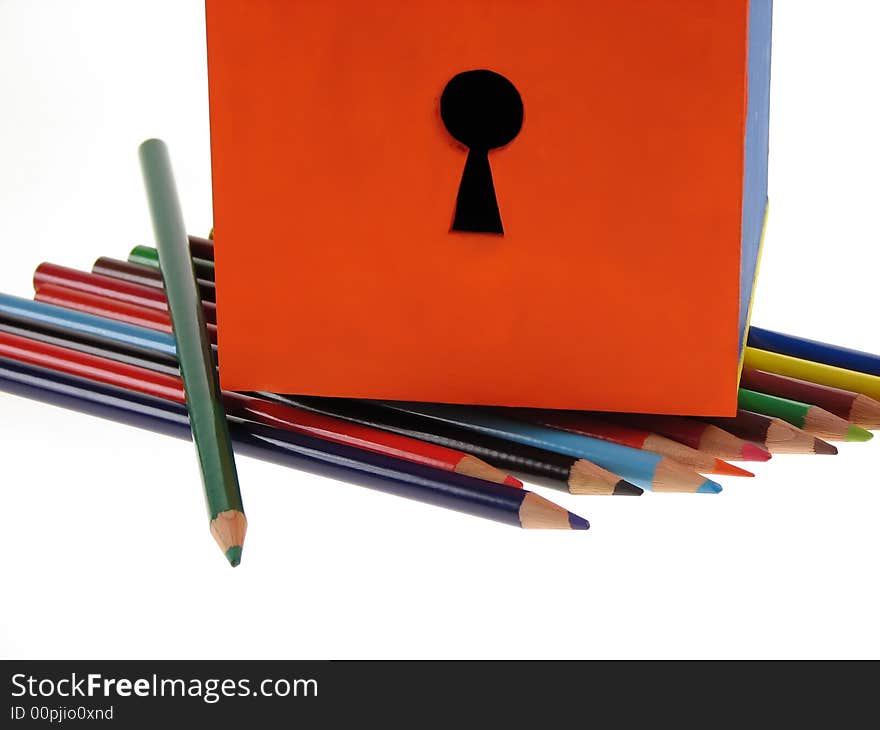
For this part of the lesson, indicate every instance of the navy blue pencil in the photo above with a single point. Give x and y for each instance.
(814, 351)
(450, 490)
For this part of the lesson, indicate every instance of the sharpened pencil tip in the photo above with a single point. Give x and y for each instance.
(709, 487)
(857, 433)
(823, 447)
(624, 488)
(233, 555)
(750, 452)
(577, 523)
(513, 482)
(722, 467)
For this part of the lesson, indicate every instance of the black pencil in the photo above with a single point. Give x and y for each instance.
(577, 475)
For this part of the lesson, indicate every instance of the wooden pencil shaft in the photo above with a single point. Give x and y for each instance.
(90, 349)
(497, 452)
(814, 351)
(502, 454)
(204, 403)
(86, 339)
(202, 248)
(834, 400)
(813, 372)
(277, 414)
(788, 410)
(144, 275)
(106, 286)
(148, 256)
(102, 306)
(619, 433)
(99, 330)
(641, 468)
(446, 489)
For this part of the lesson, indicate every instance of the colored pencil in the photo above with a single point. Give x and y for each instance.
(103, 306)
(96, 330)
(147, 256)
(813, 372)
(773, 434)
(814, 351)
(619, 433)
(577, 475)
(278, 415)
(696, 434)
(203, 399)
(106, 286)
(580, 476)
(144, 275)
(811, 419)
(449, 490)
(74, 342)
(642, 468)
(202, 248)
(853, 407)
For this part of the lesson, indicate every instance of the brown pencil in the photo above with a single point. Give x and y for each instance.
(854, 407)
(619, 433)
(774, 434)
(698, 435)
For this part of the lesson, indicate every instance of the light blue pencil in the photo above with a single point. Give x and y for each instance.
(107, 330)
(644, 468)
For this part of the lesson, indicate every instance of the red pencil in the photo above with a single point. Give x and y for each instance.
(103, 306)
(636, 438)
(110, 288)
(170, 387)
(698, 435)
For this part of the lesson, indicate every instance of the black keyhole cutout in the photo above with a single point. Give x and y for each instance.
(483, 111)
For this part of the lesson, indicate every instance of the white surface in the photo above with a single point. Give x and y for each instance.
(114, 561)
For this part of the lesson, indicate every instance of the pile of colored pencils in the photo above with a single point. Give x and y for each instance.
(101, 342)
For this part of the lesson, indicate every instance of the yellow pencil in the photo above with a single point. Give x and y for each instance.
(814, 372)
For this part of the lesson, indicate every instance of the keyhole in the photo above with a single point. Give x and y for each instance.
(483, 111)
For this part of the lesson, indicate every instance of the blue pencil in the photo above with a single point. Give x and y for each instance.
(800, 347)
(648, 470)
(643, 468)
(498, 502)
(59, 319)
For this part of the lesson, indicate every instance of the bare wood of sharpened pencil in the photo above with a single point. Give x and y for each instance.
(537, 513)
(473, 467)
(774, 434)
(825, 425)
(784, 438)
(670, 476)
(865, 412)
(720, 443)
(589, 478)
(697, 460)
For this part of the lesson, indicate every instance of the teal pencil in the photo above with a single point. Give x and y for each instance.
(203, 399)
(643, 468)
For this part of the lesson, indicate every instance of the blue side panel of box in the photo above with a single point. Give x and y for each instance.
(756, 148)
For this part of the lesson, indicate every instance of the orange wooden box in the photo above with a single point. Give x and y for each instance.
(632, 199)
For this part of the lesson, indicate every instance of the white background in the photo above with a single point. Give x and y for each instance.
(106, 547)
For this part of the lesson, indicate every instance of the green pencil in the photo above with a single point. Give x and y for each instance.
(812, 419)
(203, 400)
(147, 256)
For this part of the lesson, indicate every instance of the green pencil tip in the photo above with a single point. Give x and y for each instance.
(857, 433)
(233, 555)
